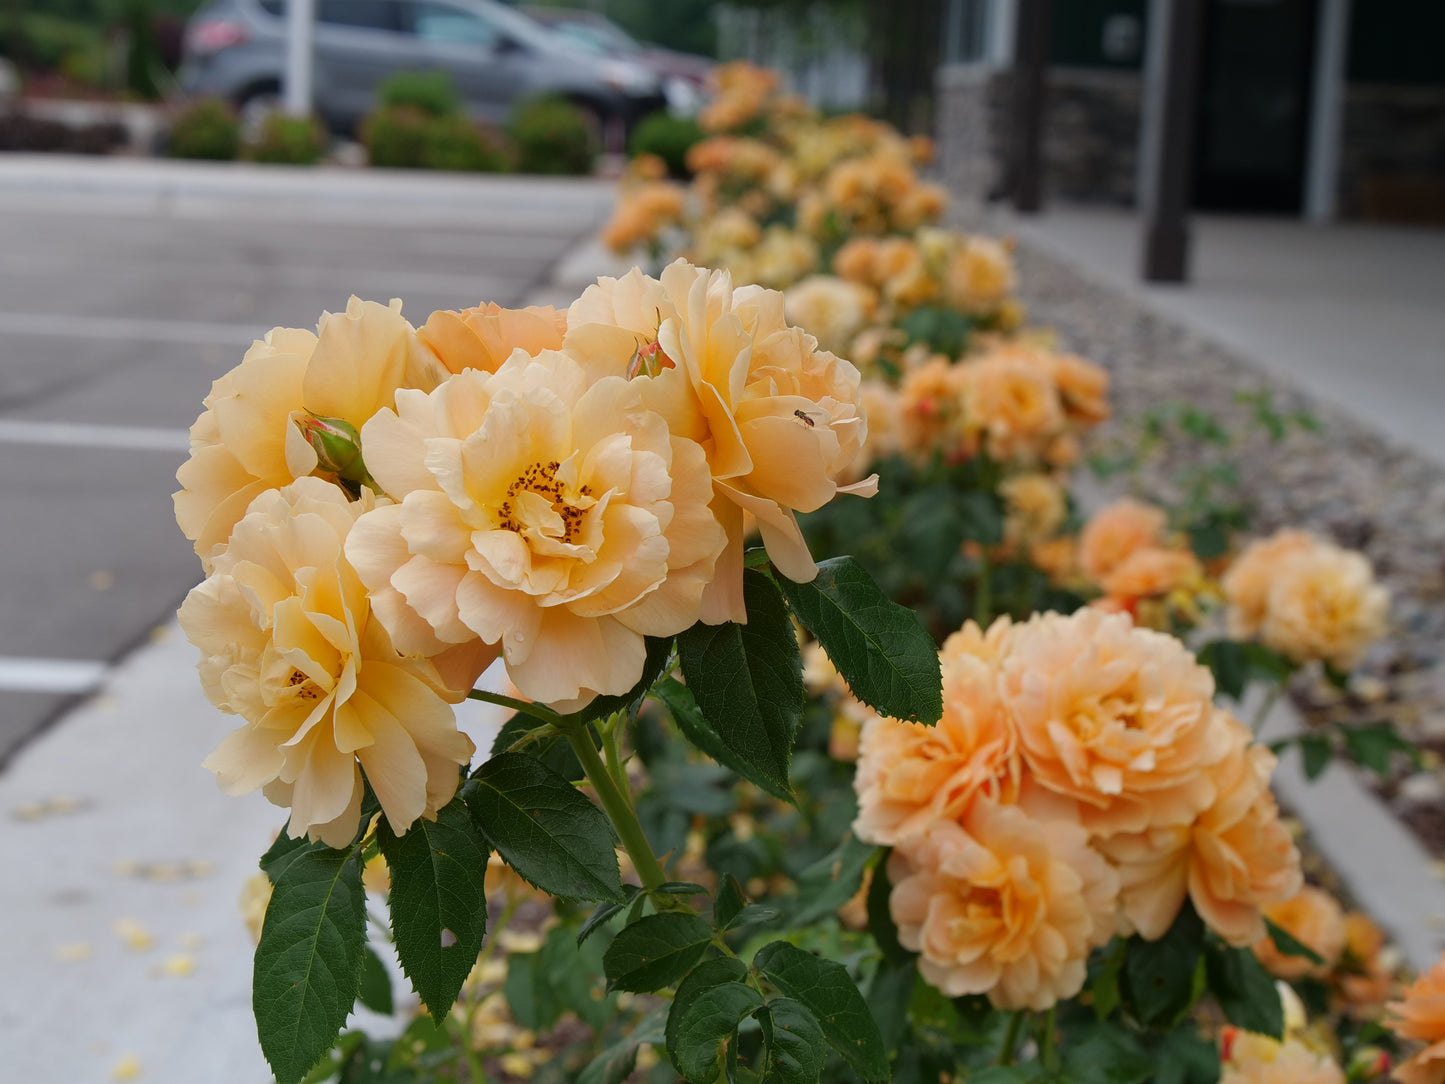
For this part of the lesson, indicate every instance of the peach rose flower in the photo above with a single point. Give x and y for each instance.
(247, 441)
(1312, 917)
(1116, 531)
(930, 409)
(856, 259)
(1325, 604)
(1150, 571)
(543, 512)
(1246, 585)
(1120, 718)
(1083, 388)
(830, 309)
(1034, 505)
(288, 642)
(1258, 1059)
(1002, 904)
(1012, 404)
(1236, 857)
(485, 336)
(980, 275)
(911, 775)
(643, 213)
(778, 417)
(1420, 1018)
(1365, 973)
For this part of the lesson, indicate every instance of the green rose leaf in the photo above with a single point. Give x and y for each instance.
(310, 958)
(1244, 990)
(615, 1064)
(1373, 745)
(438, 901)
(1106, 1054)
(728, 902)
(545, 829)
(881, 648)
(748, 681)
(703, 1023)
(1289, 945)
(604, 913)
(282, 850)
(1159, 975)
(655, 951)
(375, 991)
(794, 1047)
(833, 880)
(824, 988)
(695, 728)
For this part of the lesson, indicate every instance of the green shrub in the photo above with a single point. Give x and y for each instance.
(294, 141)
(206, 128)
(552, 136)
(457, 143)
(668, 137)
(396, 137)
(432, 93)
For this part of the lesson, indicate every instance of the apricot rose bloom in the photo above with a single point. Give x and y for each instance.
(778, 418)
(910, 775)
(1420, 1017)
(540, 511)
(1003, 904)
(247, 441)
(1306, 598)
(1325, 605)
(1119, 718)
(1258, 1059)
(1236, 858)
(831, 309)
(1116, 531)
(1150, 571)
(485, 336)
(1312, 917)
(288, 642)
(1247, 582)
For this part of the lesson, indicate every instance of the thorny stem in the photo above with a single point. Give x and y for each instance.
(1048, 1051)
(617, 807)
(526, 707)
(612, 749)
(983, 596)
(1265, 708)
(462, 1034)
(1010, 1038)
(479, 1075)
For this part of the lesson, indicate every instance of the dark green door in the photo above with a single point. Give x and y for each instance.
(1258, 65)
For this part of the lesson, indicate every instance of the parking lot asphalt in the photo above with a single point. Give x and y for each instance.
(126, 287)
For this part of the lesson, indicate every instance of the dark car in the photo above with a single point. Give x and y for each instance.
(237, 49)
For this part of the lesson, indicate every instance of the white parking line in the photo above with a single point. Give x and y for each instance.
(78, 435)
(19, 674)
(68, 326)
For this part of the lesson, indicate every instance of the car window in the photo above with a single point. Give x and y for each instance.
(363, 14)
(442, 22)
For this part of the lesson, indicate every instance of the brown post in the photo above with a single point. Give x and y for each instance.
(1033, 35)
(1171, 91)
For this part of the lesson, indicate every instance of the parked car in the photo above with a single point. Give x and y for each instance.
(683, 76)
(236, 49)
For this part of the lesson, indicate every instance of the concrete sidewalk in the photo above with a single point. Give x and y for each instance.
(1355, 313)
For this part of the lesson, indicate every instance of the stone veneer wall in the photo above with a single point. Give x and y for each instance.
(1392, 153)
(1091, 133)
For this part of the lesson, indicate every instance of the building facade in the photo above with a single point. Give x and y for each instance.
(1322, 109)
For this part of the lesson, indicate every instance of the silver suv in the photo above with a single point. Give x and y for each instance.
(236, 49)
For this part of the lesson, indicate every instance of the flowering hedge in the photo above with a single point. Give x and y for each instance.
(977, 802)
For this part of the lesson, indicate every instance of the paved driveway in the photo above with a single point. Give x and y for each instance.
(126, 287)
